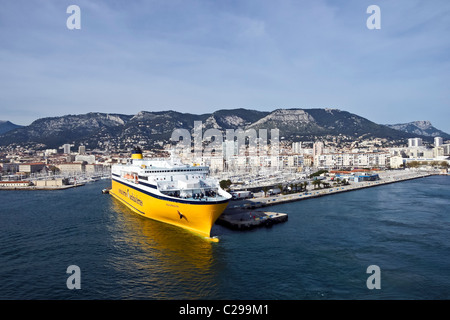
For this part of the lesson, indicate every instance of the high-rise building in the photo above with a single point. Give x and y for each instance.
(66, 148)
(317, 148)
(414, 142)
(438, 141)
(296, 147)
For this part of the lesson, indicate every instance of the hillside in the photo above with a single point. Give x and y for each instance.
(420, 128)
(6, 126)
(153, 129)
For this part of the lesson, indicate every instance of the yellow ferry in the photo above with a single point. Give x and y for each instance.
(169, 191)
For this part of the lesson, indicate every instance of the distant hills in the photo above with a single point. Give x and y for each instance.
(155, 128)
(420, 128)
(6, 126)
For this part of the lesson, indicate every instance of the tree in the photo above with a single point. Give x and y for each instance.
(225, 184)
(316, 183)
(265, 189)
(280, 186)
(305, 185)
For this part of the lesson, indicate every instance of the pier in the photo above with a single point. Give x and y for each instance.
(248, 213)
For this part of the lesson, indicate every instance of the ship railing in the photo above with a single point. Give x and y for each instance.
(195, 194)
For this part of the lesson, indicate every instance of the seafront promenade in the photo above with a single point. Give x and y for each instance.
(245, 214)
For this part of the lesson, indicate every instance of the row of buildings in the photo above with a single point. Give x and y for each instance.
(41, 167)
(320, 156)
(286, 157)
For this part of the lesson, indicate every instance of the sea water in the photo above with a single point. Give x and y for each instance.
(323, 251)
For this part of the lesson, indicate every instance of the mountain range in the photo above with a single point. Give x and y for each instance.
(155, 128)
(420, 128)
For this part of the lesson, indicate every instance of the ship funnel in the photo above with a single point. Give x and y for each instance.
(136, 153)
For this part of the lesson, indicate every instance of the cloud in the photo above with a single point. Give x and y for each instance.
(200, 54)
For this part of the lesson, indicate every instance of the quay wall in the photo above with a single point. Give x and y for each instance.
(314, 193)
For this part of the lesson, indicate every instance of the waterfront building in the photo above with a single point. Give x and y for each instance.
(71, 167)
(397, 162)
(14, 184)
(94, 168)
(90, 159)
(362, 160)
(10, 167)
(420, 152)
(50, 183)
(31, 167)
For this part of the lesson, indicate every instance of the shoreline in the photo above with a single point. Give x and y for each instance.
(33, 188)
(313, 193)
(247, 214)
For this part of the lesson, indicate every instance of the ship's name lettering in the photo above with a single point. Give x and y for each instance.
(137, 200)
(131, 197)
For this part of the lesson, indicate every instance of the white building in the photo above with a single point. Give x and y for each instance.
(66, 147)
(82, 150)
(317, 148)
(297, 147)
(414, 142)
(360, 160)
(438, 141)
(397, 162)
(90, 159)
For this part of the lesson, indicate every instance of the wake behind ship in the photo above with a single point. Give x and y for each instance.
(169, 191)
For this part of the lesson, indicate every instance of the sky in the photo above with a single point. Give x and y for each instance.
(199, 56)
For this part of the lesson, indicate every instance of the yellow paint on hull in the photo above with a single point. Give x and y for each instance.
(198, 218)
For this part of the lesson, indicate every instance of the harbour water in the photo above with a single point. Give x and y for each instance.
(321, 252)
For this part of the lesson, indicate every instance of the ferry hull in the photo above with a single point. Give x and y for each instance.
(196, 217)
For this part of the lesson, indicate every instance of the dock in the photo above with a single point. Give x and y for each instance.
(249, 213)
(30, 188)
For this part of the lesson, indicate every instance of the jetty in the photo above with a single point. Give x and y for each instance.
(249, 213)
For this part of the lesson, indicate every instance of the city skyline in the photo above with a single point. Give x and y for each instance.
(204, 56)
